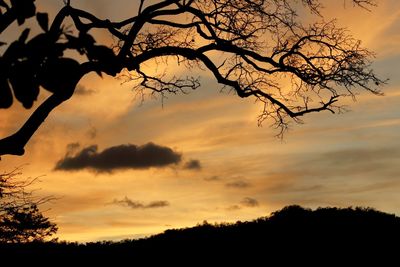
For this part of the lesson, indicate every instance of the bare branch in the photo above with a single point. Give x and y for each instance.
(265, 51)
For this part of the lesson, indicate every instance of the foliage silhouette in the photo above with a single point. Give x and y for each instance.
(20, 218)
(292, 235)
(259, 43)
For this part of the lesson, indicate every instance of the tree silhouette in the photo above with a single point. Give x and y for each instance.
(293, 236)
(249, 47)
(20, 218)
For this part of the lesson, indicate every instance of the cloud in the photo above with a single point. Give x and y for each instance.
(82, 90)
(192, 164)
(246, 202)
(127, 202)
(290, 186)
(92, 132)
(234, 207)
(238, 184)
(391, 37)
(346, 162)
(71, 149)
(157, 204)
(118, 157)
(212, 178)
(335, 177)
(249, 202)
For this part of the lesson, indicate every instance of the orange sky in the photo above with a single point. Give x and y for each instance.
(332, 160)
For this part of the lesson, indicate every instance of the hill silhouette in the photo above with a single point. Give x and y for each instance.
(292, 235)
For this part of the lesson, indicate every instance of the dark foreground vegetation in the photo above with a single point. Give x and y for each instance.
(323, 237)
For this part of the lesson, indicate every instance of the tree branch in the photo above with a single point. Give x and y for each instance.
(14, 144)
(258, 43)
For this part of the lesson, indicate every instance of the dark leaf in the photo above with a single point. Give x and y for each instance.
(101, 53)
(42, 46)
(24, 9)
(98, 72)
(43, 20)
(86, 40)
(60, 75)
(24, 35)
(25, 87)
(6, 98)
(14, 51)
(106, 58)
(75, 43)
(20, 20)
(38, 46)
(71, 38)
(4, 4)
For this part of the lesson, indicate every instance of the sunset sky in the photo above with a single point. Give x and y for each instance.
(224, 167)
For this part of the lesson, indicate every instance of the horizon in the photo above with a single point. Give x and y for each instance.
(209, 159)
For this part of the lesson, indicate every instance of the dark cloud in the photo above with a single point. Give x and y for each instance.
(249, 202)
(82, 90)
(92, 132)
(246, 202)
(157, 204)
(119, 157)
(127, 202)
(72, 148)
(212, 178)
(192, 164)
(238, 184)
(234, 207)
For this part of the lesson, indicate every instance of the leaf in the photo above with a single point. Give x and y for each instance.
(86, 40)
(42, 46)
(38, 47)
(75, 43)
(106, 58)
(43, 20)
(14, 51)
(4, 4)
(98, 72)
(24, 9)
(20, 19)
(25, 88)
(24, 35)
(101, 52)
(6, 97)
(60, 75)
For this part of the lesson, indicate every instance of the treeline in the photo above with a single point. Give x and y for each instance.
(291, 235)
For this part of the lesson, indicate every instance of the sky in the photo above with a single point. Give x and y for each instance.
(213, 161)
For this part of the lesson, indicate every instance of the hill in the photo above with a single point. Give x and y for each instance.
(292, 235)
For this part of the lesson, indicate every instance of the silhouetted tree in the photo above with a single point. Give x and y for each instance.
(249, 46)
(20, 218)
(293, 236)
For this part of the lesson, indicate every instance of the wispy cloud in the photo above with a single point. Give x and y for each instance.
(127, 202)
(238, 184)
(234, 207)
(82, 90)
(249, 202)
(212, 178)
(352, 161)
(72, 149)
(92, 132)
(193, 164)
